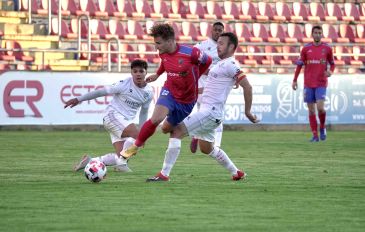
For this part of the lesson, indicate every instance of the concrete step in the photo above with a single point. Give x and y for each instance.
(32, 41)
(23, 29)
(13, 17)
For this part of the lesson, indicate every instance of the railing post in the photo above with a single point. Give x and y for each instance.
(49, 16)
(30, 11)
(109, 53)
(59, 18)
(79, 18)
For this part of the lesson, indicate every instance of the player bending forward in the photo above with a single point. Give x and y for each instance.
(202, 124)
(129, 96)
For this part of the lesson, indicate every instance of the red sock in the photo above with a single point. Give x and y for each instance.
(313, 124)
(322, 120)
(147, 130)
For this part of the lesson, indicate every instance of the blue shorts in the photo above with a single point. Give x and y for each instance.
(177, 111)
(312, 95)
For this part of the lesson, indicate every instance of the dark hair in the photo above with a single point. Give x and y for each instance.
(139, 63)
(232, 38)
(218, 24)
(163, 30)
(316, 27)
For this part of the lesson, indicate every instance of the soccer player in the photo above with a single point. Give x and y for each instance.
(209, 46)
(202, 124)
(129, 96)
(183, 66)
(315, 57)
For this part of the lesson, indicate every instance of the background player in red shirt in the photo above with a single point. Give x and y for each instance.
(315, 57)
(183, 66)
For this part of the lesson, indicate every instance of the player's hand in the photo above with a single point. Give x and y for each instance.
(71, 103)
(327, 73)
(151, 78)
(252, 117)
(294, 85)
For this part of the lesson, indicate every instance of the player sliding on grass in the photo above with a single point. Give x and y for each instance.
(183, 66)
(315, 57)
(202, 124)
(129, 96)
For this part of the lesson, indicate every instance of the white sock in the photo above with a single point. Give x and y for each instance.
(128, 142)
(108, 159)
(218, 135)
(222, 158)
(171, 155)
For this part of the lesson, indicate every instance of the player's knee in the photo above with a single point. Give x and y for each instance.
(166, 129)
(205, 150)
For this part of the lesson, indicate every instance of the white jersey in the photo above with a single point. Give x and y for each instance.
(220, 81)
(128, 98)
(209, 47)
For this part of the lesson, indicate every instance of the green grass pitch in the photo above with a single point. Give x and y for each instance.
(292, 185)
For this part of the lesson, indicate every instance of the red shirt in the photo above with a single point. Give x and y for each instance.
(315, 59)
(183, 68)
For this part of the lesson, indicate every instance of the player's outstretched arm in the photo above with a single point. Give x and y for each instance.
(89, 96)
(71, 103)
(152, 78)
(247, 94)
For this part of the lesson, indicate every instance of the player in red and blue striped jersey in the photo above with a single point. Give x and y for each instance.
(316, 57)
(183, 65)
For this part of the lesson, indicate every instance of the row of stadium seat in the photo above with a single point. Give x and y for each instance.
(190, 32)
(210, 10)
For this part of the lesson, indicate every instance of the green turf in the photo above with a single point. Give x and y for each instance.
(293, 185)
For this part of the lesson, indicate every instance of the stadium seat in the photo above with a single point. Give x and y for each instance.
(228, 28)
(356, 59)
(195, 10)
(243, 32)
(4, 67)
(289, 59)
(248, 11)
(150, 58)
(43, 7)
(276, 33)
(360, 33)
(124, 8)
(84, 30)
(281, 12)
(299, 13)
(147, 29)
(333, 12)
(23, 67)
(24, 6)
(115, 29)
(294, 33)
(338, 55)
(86, 7)
(177, 29)
(213, 10)
(159, 9)
(98, 29)
(84, 52)
(68, 7)
(188, 32)
(316, 12)
(19, 55)
(231, 10)
(204, 30)
(239, 54)
(265, 12)
(351, 13)
(177, 9)
(307, 35)
(65, 32)
(271, 59)
(362, 12)
(259, 33)
(346, 34)
(329, 33)
(105, 8)
(253, 59)
(133, 30)
(102, 57)
(142, 9)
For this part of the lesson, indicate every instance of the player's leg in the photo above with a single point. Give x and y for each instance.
(321, 97)
(309, 98)
(218, 135)
(194, 141)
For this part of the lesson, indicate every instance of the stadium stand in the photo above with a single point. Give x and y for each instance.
(274, 28)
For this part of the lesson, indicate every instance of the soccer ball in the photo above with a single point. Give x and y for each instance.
(95, 171)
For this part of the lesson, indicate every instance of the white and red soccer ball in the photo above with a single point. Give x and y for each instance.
(95, 171)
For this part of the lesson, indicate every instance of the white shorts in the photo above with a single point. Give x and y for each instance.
(115, 123)
(202, 124)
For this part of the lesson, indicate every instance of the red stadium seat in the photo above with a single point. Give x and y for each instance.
(276, 33)
(351, 13)
(300, 12)
(98, 29)
(338, 56)
(24, 6)
(105, 8)
(243, 32)
(307, 38)
(115, 29)
(362, 12)
(294, 33)
(43, 7)
(288, 57)
(333, 12)
(195, 10)
(86, 7)
(159, 9)
(124, 8)
(316, 12)
(150, 58)
(177, 29)
(188, 31)
(147, 29)
(133, 30)
(68, 7)
(84, 52)
(214, 11)
(360, 33)
(265, 12)
(281, 12)
(346, 34)
(253, 59)
(329, 33)
(65, 32)
(204, 30)
(356, 59)
(259, 33)
(143, 9)
(238, 54)
(19, 55)
(84, 29)
(4, 67)
(231, 10)
(271, 59)
(228, 28)
(248, 11)
(177, 9)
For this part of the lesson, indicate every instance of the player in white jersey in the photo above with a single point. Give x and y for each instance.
(209, 46)
(222, 77)
(129, 95)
